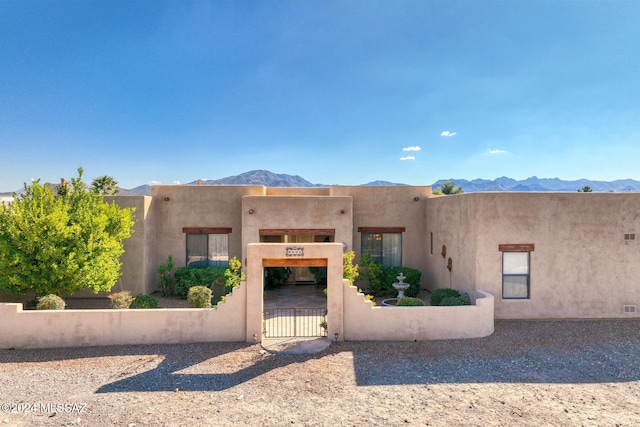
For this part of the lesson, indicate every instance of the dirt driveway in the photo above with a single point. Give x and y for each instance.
(527, 373)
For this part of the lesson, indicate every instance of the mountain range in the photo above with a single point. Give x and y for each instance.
(270, 179)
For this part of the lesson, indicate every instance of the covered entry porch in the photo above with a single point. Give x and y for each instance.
(263, 255)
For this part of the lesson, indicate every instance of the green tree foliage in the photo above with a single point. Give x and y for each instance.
(585, 189)
(233, 275)
(449, 188)
(105, 185)
(350, 270)
(59, 244)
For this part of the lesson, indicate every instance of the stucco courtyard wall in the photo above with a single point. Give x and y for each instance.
(581, 265)
(77, 328)
(365, 322)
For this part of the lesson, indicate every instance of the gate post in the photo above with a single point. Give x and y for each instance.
(255, 290)
(335, 293)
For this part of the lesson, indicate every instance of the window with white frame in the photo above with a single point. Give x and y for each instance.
(516, 271)
(207, 247)
(383, 245)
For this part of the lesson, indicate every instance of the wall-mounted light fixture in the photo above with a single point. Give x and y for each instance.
(251, 211)
(449, 264)
(444, 251)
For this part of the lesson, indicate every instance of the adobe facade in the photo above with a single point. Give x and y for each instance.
(541, 255)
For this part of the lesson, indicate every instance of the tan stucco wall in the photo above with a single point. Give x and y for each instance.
(77, 328)
(296, 212)
(364, 322)
(452, 220)
(392, 206)
(197, 206)
(581, 267)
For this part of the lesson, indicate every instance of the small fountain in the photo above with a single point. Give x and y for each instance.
(400, 286)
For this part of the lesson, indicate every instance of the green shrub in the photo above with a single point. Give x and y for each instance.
(439, 294)
(276, 276)
(320, 274)
(166, 280)
(144, 301)
(372, 275)
(199, 297)
(121, 299)
(233, 275)
(50, 302)
(187, 277)
(410, 302)
(451, 301)
(370, 298)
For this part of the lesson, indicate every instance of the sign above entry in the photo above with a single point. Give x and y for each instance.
(295, 251)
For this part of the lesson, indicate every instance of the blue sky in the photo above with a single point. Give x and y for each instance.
(338, 92)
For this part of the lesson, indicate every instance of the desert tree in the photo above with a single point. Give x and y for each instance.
(59, 242)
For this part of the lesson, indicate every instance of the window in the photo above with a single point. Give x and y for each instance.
(207, 247)
(516, 271)
(384, 245)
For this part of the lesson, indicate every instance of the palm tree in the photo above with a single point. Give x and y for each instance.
(448, 188)
(105, 185)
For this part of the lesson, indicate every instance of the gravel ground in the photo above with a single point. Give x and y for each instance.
(562, 373)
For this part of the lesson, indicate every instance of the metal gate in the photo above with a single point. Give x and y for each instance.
(294, 322)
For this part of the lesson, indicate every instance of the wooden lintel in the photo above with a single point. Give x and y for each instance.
(290, 231)
(381, 229)
(516, 247)
(206, 230)
(294, 262)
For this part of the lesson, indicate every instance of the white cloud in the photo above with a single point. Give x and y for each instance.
(176, 182)
(414, 148)
(155, 183)
(447, 133)
(496, 151)
(408, 158)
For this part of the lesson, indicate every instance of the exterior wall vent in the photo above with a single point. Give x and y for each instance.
(629, 236)
(629, 309)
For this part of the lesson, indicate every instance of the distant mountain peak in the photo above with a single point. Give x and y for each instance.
(262, 177)
(271, 179)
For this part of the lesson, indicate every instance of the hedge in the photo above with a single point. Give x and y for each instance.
(187, 277)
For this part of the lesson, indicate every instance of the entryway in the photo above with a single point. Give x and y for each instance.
(295, 310)
(284, 314)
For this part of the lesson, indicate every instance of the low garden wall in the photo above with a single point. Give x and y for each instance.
(74, 328)
(365, 322)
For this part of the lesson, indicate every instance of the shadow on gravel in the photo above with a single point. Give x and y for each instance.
(518, 352)
(166, 376)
